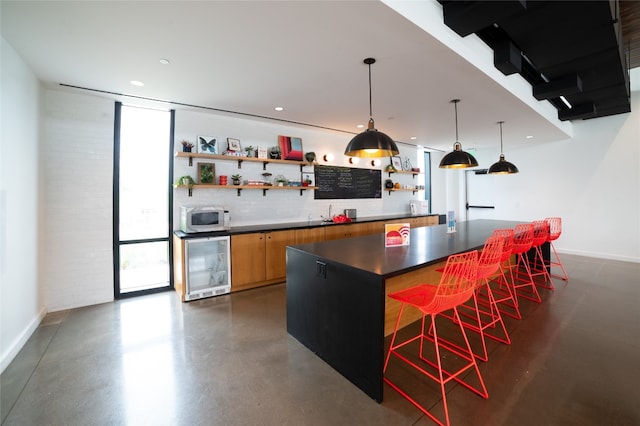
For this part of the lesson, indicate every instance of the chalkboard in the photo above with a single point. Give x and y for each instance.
(345, 182)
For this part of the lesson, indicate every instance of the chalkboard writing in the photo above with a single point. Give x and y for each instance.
(345, 182)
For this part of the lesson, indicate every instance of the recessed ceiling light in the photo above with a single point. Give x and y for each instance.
(529, 137)
(164, 61)
(360, 126)
(413, 138)
(279, 108)
(137, 83)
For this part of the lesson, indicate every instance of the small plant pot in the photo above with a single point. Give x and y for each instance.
(236, 181)
(186, 149)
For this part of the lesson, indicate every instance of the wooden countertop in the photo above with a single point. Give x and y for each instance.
(428, 245)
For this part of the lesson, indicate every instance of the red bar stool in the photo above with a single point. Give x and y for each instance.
(456, 287)
(505, 292)
(522, 278)
(474, 317)
(555, 229)
(536, 262)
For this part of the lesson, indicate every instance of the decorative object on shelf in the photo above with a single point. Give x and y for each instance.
(206, 173)
(234, 144)
(307, 179)
(371, 143)
(415, 169)
(267, 178)
(291, 147)
(457, 159)
(502, 167)
(274, 152)
(222, 180)
(396, 162)
(236, 179)
(390, 168)
(280, 180)
(388, 184)
(310, 156)
(187, 146)
(207, 144)
(249, 150)
(185, 181)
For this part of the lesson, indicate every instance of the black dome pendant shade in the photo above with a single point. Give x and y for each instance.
(457, 159)
(502, 167)
(371, 143)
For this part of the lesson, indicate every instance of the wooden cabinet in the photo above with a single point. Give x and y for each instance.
(417, 222)
(309, 235)
(336, 232)
(259, 258)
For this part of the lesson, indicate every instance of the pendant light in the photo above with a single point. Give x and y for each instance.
(457, 159)
(502, 167)
(371, 143)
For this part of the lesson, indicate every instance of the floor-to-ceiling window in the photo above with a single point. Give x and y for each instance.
(142, 200)
(427, 178)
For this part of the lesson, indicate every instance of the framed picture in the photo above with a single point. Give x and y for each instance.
(291, 148)
(308, 179)
(396, 162)
(262, 152)
(206, 173)
(207, 145)
(234, 144)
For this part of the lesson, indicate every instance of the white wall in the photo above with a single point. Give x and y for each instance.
(592, 181)
(77, 241)
(277, 206)
(21, 307)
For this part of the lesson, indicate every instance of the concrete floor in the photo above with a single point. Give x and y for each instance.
(574, 360)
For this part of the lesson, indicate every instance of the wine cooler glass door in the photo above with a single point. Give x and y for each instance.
(208, 267)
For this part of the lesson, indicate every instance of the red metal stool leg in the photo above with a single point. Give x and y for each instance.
(456, 287)
(555, 229)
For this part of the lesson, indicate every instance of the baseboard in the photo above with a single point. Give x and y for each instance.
(19, 342)
(598, 255)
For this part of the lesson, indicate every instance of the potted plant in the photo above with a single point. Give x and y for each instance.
(310, 156)
(281, 180)
(186, 146)
(185, 181)
(236, 179)
(249, 150)
(306, 182)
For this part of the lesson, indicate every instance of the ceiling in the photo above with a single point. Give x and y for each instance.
(306, 56)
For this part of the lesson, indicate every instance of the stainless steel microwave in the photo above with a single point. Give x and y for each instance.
(195, 219)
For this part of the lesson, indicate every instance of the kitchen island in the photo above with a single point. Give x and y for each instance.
(336, 292)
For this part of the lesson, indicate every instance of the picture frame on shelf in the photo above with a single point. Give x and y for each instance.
(308, 179)
(262, 152)
(207, 144)
(234, 145)
(291, 147)
(206, 173)
(396, 162)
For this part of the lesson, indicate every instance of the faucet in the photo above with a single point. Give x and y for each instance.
(328, 218)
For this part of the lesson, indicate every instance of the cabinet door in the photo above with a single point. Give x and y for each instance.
(309, 235)
(247, 260)
(276, 243)
(376, 227)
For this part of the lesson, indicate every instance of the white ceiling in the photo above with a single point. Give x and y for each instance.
(306, 56)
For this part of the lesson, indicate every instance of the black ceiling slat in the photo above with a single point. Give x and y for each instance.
(557, 39)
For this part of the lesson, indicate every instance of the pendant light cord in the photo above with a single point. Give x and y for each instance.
(370, 101)
(500, 123)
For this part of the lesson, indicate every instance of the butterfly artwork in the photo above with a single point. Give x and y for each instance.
(207, 144)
